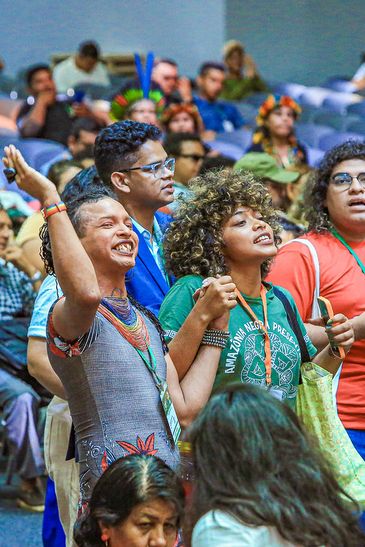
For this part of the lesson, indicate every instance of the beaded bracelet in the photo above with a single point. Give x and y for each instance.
(214, 337)
(52, 209)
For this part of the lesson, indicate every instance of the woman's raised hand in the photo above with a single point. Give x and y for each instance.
(27, 178)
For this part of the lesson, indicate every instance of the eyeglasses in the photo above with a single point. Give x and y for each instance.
(344, 180)
(194, 157)
(155, 169)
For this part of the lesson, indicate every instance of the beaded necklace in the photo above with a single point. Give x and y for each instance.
(128, 321)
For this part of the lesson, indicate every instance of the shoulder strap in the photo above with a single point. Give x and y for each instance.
(314, 255)
(293, 322)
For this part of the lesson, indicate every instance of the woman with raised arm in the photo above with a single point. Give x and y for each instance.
(107, 349)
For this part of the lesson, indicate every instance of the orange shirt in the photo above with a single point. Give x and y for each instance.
(343, 283)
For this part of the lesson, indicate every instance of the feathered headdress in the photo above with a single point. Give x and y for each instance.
(132, 93)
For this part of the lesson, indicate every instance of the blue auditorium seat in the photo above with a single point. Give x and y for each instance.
(326, 142)
(310, 133)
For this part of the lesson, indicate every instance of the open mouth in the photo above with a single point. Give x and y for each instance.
(263, 238)
(360, 202)
(124, 248)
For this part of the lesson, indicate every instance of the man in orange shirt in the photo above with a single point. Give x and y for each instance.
(336, 215)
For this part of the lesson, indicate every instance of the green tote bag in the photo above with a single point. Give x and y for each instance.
(317, 412)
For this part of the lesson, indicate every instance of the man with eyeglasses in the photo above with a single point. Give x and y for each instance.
(131, 160)
(189, 152)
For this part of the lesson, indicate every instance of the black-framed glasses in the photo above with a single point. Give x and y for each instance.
(156, 168)
(344, 180)
(194, 157)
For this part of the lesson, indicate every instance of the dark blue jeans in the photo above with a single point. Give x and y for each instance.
(357, 437)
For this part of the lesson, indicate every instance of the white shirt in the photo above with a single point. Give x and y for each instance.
(67, 75)
(219, 529)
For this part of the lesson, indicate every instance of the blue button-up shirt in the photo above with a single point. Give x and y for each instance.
(219, 116)
(154, 243)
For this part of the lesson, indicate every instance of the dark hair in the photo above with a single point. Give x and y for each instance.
(194, 243)
(254, 461)
(166, 61)
(116, 146)
(173, 142)
(85, 187)
(316, 213)
(57, 169)
(210, 65)
(84, 124)
(125, 484)
(32, 71)
(216, 162)
(89, 49)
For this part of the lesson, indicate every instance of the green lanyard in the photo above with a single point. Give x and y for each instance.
(341, 239)
(151, 365)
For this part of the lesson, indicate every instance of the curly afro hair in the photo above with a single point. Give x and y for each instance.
(116, 146)
(194, 241)
(316, 213)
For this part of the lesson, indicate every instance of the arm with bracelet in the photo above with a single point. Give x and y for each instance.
(73, 315)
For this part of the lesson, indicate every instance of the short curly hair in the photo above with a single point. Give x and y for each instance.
(316, 213)
(116, 146)
(194, 241)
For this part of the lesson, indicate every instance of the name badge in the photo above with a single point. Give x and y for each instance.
(170, 412)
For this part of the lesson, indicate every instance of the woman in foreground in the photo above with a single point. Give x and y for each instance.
(138, 502)
(259, 482)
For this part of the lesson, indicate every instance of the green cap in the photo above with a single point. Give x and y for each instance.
(264, 166)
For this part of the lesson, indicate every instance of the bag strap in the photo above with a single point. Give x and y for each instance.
(315, 308)
(293, 322)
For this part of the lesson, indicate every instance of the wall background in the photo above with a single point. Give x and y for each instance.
(302, 41)
(297, 40)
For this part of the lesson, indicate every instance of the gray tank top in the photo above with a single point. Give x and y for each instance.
(114, 402)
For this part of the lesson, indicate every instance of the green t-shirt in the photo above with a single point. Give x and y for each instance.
(236, 90)
(242, 360)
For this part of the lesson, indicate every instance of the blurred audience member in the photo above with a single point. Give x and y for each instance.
(28, 239)
(80, 143)
(138, 501)
(19, 402)
(242, 77)
(246, 494)
(130, 104)
(175, 89)
(216, 162)
(182, 118)
(279, 181)
(83, 68)
(43, 114)
(189, 153)
(14, 202)
(218, 116)
(275, 133)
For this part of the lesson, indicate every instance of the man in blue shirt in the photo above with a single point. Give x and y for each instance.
(218, 116)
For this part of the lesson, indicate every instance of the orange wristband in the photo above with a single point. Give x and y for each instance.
(53, 209)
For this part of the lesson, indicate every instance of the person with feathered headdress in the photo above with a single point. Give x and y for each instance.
(275, 133)
(140, 100)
